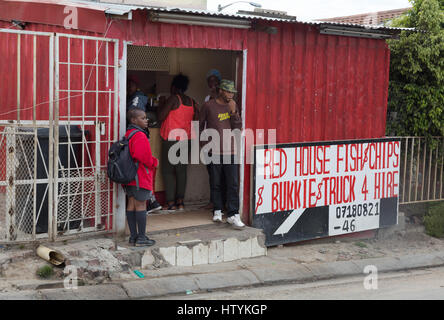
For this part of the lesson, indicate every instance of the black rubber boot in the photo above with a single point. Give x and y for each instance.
(142, 239)
(132, 226)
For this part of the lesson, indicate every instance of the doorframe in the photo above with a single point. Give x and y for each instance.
(119, 217)
(120, 205)
(242, 148)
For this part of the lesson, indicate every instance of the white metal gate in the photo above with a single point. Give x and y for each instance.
(85, 125)
(58, 116)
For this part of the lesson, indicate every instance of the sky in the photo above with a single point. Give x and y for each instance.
(314, 9)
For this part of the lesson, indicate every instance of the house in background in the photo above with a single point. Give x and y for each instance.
(379, 18)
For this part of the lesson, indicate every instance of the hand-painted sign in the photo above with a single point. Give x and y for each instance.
(311, 190)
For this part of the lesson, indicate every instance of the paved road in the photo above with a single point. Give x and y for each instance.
(417, 285)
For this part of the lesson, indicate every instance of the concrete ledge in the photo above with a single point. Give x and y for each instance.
(420, 261)
(159, 287)
(100, 292)
(333, 269)
(21, 295)
(273, 275)
(382, 264)
(207, 245)
(237, 278)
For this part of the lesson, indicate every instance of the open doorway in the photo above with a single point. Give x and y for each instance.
(154, 68)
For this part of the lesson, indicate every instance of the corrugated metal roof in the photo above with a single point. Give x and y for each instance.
(122, 9)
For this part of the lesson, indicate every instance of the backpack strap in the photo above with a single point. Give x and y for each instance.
(137, 177)
(133, 133)
(137, 162)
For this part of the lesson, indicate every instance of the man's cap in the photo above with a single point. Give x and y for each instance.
(227, 85)
(214, 72)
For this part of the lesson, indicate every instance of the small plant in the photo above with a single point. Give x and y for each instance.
(360, 244)
(22, 246)
(434, 220)
(45, 272)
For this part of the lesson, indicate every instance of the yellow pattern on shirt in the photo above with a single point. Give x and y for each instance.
(223, 116)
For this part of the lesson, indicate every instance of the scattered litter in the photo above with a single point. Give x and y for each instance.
(139, 274)
(189, 292)
(177, 234)
(50, 255)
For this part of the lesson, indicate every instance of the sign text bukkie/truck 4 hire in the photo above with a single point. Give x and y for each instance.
(310, 190)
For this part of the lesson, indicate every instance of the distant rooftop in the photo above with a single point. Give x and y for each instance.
(371, 18)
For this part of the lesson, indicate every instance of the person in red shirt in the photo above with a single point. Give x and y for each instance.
(140, 191)
(177, 113)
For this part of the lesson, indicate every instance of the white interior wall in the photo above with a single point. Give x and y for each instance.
(195, 63)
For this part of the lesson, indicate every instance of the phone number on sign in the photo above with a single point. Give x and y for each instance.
(358, 210)
(350, 212)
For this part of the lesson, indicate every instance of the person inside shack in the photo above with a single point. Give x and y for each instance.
(213, 81)
(178, 112)
(222, 114)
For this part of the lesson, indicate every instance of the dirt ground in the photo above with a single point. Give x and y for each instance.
(410, 240)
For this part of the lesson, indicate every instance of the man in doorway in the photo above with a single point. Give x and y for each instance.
(213, 82)
(221, 114)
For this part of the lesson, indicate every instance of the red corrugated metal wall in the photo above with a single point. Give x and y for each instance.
(307, 86)
(313, 87)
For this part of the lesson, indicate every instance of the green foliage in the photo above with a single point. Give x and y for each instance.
(45, 272)
(360, 244)
(416, 87)
(434, 220)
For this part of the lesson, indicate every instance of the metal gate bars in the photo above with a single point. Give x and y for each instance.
(58, 116)
(85, 126)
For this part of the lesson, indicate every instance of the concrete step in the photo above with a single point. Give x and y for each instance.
(205, 244)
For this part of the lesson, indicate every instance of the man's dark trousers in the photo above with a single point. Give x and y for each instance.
(229, 171)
